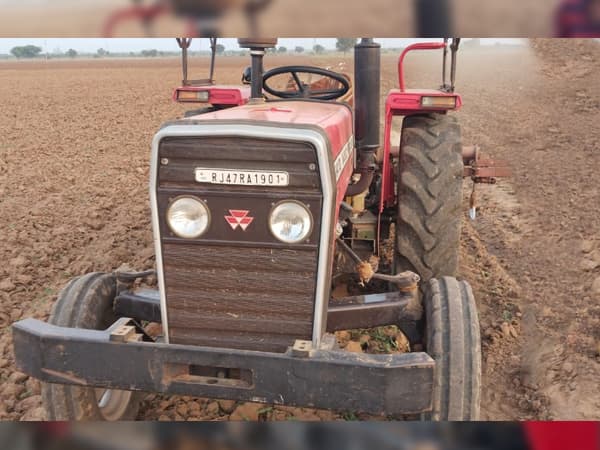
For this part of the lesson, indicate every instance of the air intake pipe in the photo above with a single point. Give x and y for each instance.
(257, 51)
(367, 87)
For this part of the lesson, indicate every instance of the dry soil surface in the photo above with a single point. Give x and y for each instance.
(74, 153)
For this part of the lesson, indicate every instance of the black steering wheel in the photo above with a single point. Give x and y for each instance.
(304, 90)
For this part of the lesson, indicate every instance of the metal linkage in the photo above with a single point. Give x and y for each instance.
(184, 45)
(445, 57)
(481, 171)
(405, 281)
(130, 276)
(454, 50)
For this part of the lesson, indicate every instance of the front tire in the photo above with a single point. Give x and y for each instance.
(87, 302)
(452, 339)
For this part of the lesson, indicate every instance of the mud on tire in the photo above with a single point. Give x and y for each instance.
(87, 302)
(452, 339)
(429, 196)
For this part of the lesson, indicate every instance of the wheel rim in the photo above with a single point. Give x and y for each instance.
(113, 403)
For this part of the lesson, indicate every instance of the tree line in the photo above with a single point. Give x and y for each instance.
(33, 51)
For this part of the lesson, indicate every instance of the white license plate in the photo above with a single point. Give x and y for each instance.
(242, 177)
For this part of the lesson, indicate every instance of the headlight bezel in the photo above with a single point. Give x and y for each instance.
(302, 205)
(201, 202)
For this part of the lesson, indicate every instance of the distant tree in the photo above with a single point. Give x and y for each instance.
(282, 49)
(299, 49)
(345, 44)
(220, 48)
(71, 53)
(318, 49)
(150, 53)
(26, 51)
(101, 52)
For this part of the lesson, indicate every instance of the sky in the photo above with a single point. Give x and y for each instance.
(118, 45)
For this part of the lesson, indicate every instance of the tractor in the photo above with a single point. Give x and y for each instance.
(273, 208)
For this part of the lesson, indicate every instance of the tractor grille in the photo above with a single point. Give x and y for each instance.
(234, 288)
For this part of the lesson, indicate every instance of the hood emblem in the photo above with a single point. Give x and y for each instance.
(239, 217)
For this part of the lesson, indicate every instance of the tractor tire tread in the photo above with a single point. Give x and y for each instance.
(429, 196)
(453, 341)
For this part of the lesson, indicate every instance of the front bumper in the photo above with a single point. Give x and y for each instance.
(334, 379)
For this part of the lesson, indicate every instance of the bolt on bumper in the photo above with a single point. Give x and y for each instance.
(391, 384)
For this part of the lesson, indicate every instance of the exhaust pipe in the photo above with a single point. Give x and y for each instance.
(367, 68)
(367, 87)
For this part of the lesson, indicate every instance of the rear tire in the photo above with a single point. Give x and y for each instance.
(452, 339)
(429, 196)
(87, 302)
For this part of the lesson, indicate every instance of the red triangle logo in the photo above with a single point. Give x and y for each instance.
(239, 218)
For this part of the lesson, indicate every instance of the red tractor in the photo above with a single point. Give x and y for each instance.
(272, 207)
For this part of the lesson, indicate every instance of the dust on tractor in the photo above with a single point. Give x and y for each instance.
(278, 220)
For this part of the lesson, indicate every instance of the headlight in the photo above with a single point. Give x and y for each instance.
(290, 222)
(188, 217)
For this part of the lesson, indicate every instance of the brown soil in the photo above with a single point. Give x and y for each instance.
(74, 146)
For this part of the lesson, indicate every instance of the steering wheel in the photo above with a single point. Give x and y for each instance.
(304, 90)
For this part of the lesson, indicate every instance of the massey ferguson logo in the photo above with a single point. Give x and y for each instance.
(239, 217)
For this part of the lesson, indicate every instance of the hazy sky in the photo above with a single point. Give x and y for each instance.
(168, 44)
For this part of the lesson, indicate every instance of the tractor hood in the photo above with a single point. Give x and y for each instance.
(335, 119)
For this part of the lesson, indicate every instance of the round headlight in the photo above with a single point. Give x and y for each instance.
(290, 222)
(188, 217)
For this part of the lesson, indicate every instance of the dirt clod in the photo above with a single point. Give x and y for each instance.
(589, 265)
(596, 285)
(354, 347)
(506, 331)
(7, 285)
(227, 406)
(34, 415)
(212, 409)
(247, 411)
(587, 246)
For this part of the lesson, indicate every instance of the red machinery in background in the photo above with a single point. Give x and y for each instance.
(562, 435)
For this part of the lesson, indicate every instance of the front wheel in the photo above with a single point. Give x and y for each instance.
(87, 302)
(452, 339)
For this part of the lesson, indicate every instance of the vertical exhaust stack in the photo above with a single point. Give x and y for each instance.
(257, 52)
(367, 87)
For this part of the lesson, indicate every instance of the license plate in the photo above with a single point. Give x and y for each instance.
(242, 177)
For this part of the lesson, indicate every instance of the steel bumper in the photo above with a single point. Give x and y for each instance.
(333, 379)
